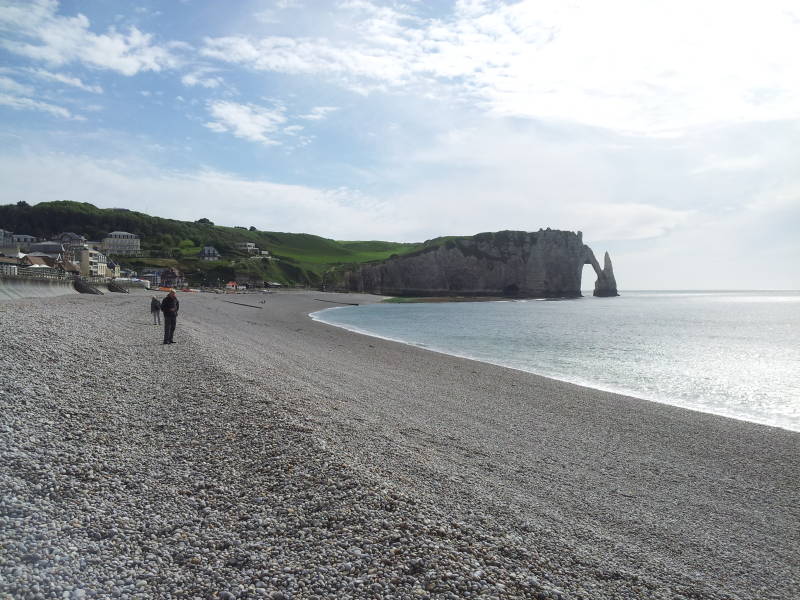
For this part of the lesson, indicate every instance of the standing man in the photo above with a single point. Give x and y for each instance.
(169, 306)
(155, 309)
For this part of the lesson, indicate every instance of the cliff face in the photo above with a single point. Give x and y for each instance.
(543, 264)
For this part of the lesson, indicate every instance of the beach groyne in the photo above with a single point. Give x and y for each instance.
(115, 287)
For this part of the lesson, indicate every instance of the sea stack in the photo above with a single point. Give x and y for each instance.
(606, 285)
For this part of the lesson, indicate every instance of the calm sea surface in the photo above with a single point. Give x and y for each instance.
(730, 353)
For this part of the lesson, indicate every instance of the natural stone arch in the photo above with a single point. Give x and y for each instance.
(606, 284)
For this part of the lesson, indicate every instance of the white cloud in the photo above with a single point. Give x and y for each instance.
(306, 56)
(473, 8)
(198, 77)
(318, 113)
(20, 103)
(66, 80)
(273, 15)
(652, 246)
(221, 197)
(25, 15)
(722, 251)
(729, 163)
(247, 121)
(645, 68)
(60, 40)
(9, 85)
(627, 221)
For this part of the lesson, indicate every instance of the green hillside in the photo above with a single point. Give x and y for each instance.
(298, 258)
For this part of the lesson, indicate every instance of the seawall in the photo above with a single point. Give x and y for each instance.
(16, 287)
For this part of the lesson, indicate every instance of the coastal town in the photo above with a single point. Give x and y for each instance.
(69, 256)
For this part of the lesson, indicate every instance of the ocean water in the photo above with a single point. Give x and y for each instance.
(735, 354)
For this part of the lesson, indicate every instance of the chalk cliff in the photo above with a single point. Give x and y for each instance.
(542, 264)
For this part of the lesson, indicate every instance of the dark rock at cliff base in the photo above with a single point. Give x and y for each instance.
(542, 264)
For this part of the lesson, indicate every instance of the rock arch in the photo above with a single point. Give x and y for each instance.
(606, 284)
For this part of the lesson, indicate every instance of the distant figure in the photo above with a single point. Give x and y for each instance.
(155, 309)
(169, 306)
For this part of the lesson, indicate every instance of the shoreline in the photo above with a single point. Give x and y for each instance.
(579, 382)
(266, 454)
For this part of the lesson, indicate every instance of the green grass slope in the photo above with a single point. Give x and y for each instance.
(300, 258)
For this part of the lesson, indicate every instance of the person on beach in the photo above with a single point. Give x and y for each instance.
(169, 306)
(155, 310)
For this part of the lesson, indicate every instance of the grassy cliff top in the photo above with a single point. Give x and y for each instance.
(168, 236)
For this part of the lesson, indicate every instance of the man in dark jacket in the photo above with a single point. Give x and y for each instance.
(169, 306)
(155, 310)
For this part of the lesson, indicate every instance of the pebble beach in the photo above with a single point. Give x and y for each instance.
(266, 455)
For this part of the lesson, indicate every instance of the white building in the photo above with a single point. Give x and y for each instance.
(122, 242)
(9, 265)
(248, 247)
(93, 263)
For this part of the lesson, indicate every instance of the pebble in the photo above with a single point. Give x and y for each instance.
(132, 475)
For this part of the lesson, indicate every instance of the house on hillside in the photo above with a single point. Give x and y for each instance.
(73, 244)
(53, 249)
(209, 253)
(24, 241)
(122, 242)
(68, 238)
(248, 247)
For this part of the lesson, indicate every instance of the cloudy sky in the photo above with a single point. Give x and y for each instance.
(668, 132)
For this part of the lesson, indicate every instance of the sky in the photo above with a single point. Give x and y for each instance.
(667, 132)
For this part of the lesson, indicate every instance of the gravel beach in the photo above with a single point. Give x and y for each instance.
(266, 455)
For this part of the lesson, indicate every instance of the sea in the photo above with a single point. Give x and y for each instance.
(731, 353)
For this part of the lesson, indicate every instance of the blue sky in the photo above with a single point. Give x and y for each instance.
(669, 133)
